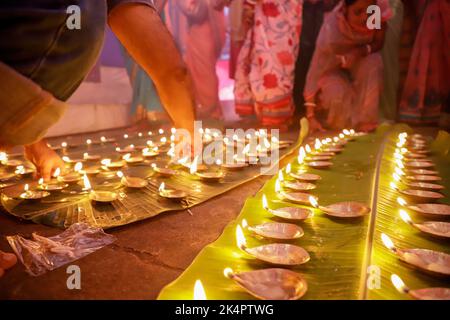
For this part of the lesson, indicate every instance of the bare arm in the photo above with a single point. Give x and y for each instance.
(148, 41)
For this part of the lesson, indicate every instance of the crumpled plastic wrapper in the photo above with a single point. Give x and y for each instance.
(41, 254)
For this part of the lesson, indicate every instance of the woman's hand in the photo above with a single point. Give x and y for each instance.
(7, 260)
(45, 159)
(248, 16)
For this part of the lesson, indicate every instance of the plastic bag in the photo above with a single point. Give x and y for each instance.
(42, 254)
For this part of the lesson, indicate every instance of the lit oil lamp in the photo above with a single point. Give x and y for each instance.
(275, 230)
(423, 172)
(150, 152)
(103, 139)
(132, 160)
(92, 171)
(72, 177)
(171, 194)
(288, 213)
(320, 164)
(128, 149)
(421, 195)
(211, 176)
(296, 197)
(132, 182)
(419, 164)
(99, 196)
(91, 157)
(424, 178)
(302, 176)
(434, 228)
(199, 291)
(12, 162)
(425, 186)
(318, 158)
(428, 260)
(68, 160)
(270, 284)
(164, 171)
(32, 195)
(295, 185)
(432, 209)
(6, 176)
(420, 294)
(416, 156)
(274, 253)
(112, 165)
(235, 165)
(23, 171)
(349, 209)
(51, 185)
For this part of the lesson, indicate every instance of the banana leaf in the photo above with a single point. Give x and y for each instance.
(341, 250)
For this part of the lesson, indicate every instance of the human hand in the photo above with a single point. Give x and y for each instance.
(248, 16)
(45, 159)
(7, 260)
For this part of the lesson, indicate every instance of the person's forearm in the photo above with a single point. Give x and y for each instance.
(143, 34)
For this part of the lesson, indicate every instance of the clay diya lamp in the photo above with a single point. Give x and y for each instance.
(348, 209)
(333, 149)
(428, 260)
(298, 186)
(112, 165)
(70, 178)
(74, 161)
(51, 185)
(234, 166)
(434, 228)
(421, 195)
(149, 153)
(415, 156)
(425, 186)
(319, 164)
(318, 158)
(103, 196)
(91, 157)
(165, 172)
(423, 172)
(424, 178)
(281, 254)
(432, 209)
(275, 230)
(210, 176)
(171, 194)
(127, 149)
(23, 172)
(270, 284)
(407, 160)
(288, 213)
(6, 176)
(420, 294)
(307, 177)
(32, 195)
(12, 163)
(133, 160)
(90, 171)
(419, 164)
(132, 182)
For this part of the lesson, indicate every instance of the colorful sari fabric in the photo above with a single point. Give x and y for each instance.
(427, 85)
(204, 41)
(266, 62)
(347, 97)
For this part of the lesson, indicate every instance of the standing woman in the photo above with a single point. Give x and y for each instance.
(427, 85)
(204, 42)
(265, 70)
(345, 79)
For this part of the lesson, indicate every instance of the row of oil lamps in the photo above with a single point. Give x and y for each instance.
(279, 283)
(129, 158)
(414, 170)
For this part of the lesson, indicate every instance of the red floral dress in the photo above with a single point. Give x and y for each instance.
(266, 62)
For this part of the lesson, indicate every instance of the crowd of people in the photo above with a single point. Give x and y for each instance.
(316, 57)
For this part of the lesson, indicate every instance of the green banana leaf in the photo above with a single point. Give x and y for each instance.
(341, 250)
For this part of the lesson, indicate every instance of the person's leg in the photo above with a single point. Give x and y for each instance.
(367, 83)
(272, 75)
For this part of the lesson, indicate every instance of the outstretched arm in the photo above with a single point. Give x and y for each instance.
(148, 41)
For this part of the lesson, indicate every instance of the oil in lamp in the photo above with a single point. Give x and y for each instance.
(23, 171)
(275, 230)
(434, 228)
(420, 294)
(99, 196)
(72, 177)
(150, 153)
(349, 209)
(112, 165)
(52, 185)
(295, 185)
(274, 253)
(164, 171)
(91, 157)
(132, 160)
(288, 213)
(424, 259)
(270, 284)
